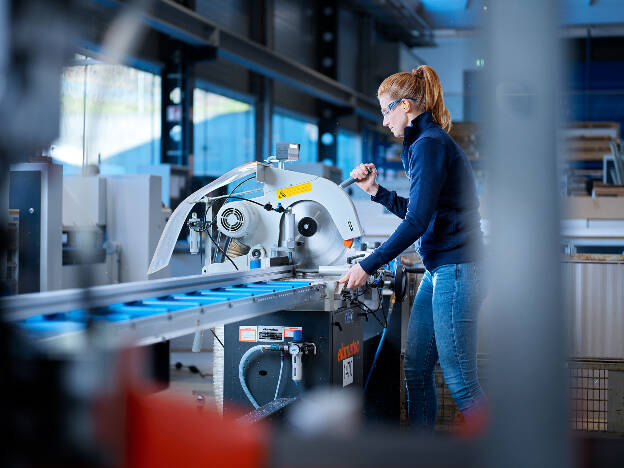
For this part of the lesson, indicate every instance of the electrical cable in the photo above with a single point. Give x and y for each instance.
(367, 310)
(221, 250)
(232, 191)
(245, 199)
(206, 228)
(381, 340)
(372, 367)
(279, 379)
(217, 338)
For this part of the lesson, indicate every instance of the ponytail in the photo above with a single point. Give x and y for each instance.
(423, 84)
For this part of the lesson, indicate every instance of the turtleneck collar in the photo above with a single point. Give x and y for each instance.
(417, 126)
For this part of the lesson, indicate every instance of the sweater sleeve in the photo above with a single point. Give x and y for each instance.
(427, 171)
(394, 203)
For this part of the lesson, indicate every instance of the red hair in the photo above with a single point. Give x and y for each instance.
(423, 84)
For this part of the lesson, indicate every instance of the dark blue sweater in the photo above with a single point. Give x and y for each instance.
(442, 212)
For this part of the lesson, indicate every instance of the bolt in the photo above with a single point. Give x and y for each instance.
(31, 210)
(201, 401)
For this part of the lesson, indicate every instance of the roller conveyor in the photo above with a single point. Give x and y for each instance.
(145, 320)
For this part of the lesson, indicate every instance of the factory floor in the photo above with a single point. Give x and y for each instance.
(198, 387)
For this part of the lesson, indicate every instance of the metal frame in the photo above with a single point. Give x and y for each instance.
(400, 20)
(183, 24)
(24, 306)
(327, 61)
(178, 72)
(162, 327)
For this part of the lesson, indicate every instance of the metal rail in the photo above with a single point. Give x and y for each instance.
(25, 306)
(196, 315)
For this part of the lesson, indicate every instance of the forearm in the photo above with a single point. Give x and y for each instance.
(393, 202)
(402, 238)
(372, 191)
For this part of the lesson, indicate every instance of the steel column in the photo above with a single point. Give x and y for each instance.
(327, 63)
(177, 104)
(261, 30)
(529, 425)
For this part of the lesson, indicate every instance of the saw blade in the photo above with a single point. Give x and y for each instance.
(318, 239)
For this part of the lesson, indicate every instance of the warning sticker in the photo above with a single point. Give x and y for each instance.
(294, 190)
(347, 372)
(271, 334)
(288, 331)
(248, 334)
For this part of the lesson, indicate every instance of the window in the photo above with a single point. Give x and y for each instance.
(349, 151)
(288, 128)
(224, 133)
(110, 116)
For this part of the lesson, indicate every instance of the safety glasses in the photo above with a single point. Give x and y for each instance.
(392, 105)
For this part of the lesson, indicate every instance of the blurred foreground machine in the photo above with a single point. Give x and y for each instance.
(270, 274)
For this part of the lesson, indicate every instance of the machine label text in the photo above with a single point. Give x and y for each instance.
(345, 352)
(271, 334)
(248, 334)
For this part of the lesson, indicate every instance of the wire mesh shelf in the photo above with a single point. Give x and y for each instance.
(588, 385)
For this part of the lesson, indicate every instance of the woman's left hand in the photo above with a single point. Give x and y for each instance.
(355, 277)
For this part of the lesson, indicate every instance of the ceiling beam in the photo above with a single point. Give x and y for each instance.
(179, 22)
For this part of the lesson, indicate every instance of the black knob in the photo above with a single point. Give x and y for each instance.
(307, 226)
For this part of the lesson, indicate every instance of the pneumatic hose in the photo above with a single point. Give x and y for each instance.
(241, 373)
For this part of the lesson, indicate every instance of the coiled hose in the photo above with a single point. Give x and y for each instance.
(279, 379)
(241, 373)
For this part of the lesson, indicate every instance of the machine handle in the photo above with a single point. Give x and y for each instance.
(350, 181)
(347, 182)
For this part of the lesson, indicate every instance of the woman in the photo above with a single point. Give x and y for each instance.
(442, 216)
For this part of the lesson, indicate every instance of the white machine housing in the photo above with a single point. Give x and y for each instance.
(263, 231)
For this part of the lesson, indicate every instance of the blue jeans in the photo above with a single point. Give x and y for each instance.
(443, 325)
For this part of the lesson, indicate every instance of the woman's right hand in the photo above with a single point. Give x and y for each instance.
(366, 177)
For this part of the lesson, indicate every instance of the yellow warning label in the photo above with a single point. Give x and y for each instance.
(294, 190)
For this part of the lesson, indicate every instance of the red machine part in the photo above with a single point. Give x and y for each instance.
(163, 432)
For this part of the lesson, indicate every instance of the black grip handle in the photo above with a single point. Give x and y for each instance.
(347, 182)
(350, 181)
